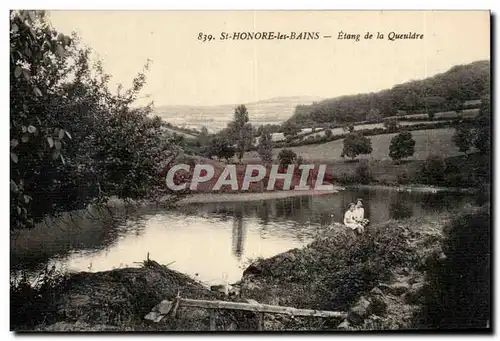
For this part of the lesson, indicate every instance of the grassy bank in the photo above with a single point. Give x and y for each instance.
(391, 277)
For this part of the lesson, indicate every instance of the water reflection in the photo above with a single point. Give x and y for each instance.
(238, 232)
(215, 238)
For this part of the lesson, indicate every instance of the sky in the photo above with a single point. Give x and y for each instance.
(187, 71)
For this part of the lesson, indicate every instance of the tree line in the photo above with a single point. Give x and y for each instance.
(443, 92)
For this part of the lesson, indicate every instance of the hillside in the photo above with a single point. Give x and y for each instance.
(443, 92)
(215, 118)
(435, 141)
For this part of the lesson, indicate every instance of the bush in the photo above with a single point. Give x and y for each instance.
(463, 139)
(363, 173)
(403, 178)
(286, 157)
(30, 300)
(458, 295)
(432, 171)
(391, 125)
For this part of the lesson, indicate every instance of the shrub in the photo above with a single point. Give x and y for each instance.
(432, 170)
(391, 125)
(458, 295)
(463, 139)
(363, 173)
(286, 157)
(265, 148)
(403, 178)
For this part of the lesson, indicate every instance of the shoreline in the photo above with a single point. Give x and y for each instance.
(414, 188)
(252, 196)
(256, 196)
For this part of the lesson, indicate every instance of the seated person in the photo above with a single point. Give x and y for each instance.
(350, 219)
(359, 213)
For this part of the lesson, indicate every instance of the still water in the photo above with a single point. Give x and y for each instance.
(212, 240)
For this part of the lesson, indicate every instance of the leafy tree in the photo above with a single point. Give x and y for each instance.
(240, 131)
(287, 157)
(290, 130)
(204, 136)
(402, 146)
(221, 148)
(72, 141)
(373, 115)
(356, 144)
(265, 148)
(463, 139)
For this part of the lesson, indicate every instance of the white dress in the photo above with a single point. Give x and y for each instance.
(359, 214)
(349, 220)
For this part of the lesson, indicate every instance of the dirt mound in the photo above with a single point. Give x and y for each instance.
(117, 298)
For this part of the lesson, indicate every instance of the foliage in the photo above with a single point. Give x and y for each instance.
(203, 137)
(286, 157)
(463, 139)
(402, 146)
(363, 173)
(30, 298)
(374, 115)
(271, 128)
(430, 95)
(240, 131)
(459, 290)
(220, 148)
(265, 148)
(290, 130)
(483, 130)
(356, 144)
(349, 127)
(432, 171)
(391, 125)
(73, 142)
(403, 178)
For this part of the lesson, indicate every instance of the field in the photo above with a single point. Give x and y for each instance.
(432, 141)
(178, 132)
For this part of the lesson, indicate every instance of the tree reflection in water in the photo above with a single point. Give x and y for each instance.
(239, 230)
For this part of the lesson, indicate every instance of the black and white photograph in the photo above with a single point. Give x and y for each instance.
(253, 171)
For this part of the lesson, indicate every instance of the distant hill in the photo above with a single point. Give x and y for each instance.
(270, 111)
(458, 88)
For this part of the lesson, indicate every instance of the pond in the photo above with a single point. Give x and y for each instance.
(211, 240)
